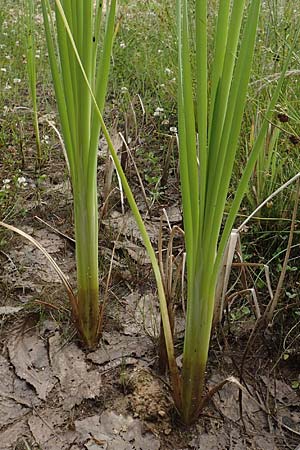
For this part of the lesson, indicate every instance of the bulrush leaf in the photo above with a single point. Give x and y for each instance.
(97, 100)
(78, 65)
(206, 163)
(174, 373)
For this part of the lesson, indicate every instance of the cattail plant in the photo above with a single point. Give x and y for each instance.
(98, 105)
(81, 128)
(85, 307)
(208, 148)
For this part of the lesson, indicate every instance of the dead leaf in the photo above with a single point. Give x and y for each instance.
(147, 314)
(48, 428)
(6, 376)
(266, 442)
(231, 436)
(141, 315)
(29, 356)
(28, 268)
(126, 226)
(16, 398)
(227, 401)
(10, 411)
(173, 213)
(209, 442)
(50, 241)
(114, 432)
(119, 347)
(281, 391)
(9, 310)
(13, 434)
(77, 382)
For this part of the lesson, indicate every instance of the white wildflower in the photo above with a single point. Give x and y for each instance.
(21, 181)
(158, 111)
(46, 139)
(6, 184)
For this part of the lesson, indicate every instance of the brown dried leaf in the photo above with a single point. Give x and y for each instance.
(141, 315)
(119, 347)
(36, 269)
(173, 213)
(147, 314)
(126, 226)
(227, 400)
(6, 376)
(13, 434)
(50, 241)
(210, 441)
(16, 398)
(29, 356)
(9, 310)
(114, 432)
(233, 437)
(10, 411)
(49, 430)
(281, 391)
(77, 382)
(266, 442)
